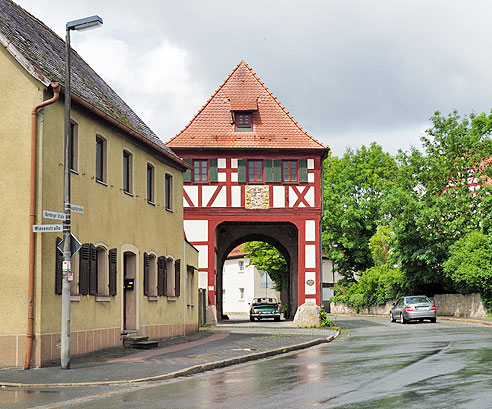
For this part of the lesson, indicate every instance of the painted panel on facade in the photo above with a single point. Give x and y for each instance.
(234, 177)
(310, 230)
(202, 256)
(257, 197)
(310, 256)
(278, 196)
(309, 196)
(202, 279)
(311, 177)
(221, 163)
(207, 193)
(292, 196)
(192, 192)
(234, 163)
(310, 163)
(310, 283)
(236, 195)
(196, 230)
(221, 199)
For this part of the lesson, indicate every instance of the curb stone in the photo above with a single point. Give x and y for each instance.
(185, 371)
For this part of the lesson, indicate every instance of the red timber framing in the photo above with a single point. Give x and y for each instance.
(230, 208)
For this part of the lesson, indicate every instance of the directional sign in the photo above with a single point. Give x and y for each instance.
(48, 214)
(45, 228)
(76, 208)
(75, 245)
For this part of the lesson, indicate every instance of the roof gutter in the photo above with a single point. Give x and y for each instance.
(127, 129)
(32, 218)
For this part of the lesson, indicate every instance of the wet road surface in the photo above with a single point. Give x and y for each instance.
(373, 364)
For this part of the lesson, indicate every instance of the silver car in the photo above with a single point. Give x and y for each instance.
(415, 307)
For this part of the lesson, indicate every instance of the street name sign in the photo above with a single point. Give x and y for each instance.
(75, 245)
(48, 214)
(46, 228)
(76, 208)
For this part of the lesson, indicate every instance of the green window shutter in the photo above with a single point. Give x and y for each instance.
(58, 268)
(277, 170)
(187, 172)
(303, 173)
(241, 170)
(84, 267)
(177, 278)
(214, 176)
(113, 263)
(268, 170)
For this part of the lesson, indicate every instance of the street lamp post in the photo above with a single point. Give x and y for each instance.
(78, 25)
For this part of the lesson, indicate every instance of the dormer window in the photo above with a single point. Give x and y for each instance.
(243, 121)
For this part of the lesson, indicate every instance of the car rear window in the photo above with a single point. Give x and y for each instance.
(416, 300)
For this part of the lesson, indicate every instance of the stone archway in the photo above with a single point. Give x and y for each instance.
(282, 235)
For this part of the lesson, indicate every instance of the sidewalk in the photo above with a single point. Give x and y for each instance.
(204, 350)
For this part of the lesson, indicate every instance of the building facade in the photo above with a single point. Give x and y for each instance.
(135, 271)
(256, 175)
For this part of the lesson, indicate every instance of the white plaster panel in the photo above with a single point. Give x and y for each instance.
(310, 230)
(311, 177)
(278, 196)
(207, 193)
(310, 289)
(233, 176)
(236, 196)
(202, 256)
(222, 177)
(234, 163)
(310, 163)
(292, 197)
(221, 163)
(202, 279)
(310, 256)
(192, 192)
(313, 300)
(310, 196)
(196, 230)
(221, 199)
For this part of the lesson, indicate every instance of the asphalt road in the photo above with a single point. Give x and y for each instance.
(373, 364)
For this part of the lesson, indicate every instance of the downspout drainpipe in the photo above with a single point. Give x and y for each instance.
(32, 219)
(323, 157)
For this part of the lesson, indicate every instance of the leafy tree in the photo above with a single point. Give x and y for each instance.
(436, 201)
(355, 187)
(267, 258)
(470, 265)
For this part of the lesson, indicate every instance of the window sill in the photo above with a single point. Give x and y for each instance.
(172, 298)
(170, 210)
(75, 172)
(290, 183)
(74, 298)
(127, 193)
(153, 298)
(240, 300)
(101, 182)
(150, 202)
(103, 298)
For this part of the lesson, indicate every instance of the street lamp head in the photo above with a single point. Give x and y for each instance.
(83, 24)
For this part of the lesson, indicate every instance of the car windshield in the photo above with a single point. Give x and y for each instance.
(416, 300)
(260, 301)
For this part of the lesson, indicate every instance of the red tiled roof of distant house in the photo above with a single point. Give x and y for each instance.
(237, 252)
(273, 126)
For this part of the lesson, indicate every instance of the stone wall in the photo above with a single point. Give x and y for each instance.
(454, 305)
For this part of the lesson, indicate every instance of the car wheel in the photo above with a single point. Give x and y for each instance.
(258, 318)
(276, 319)
(251, 318)
(392, 319)
(433, 320)
(402, 319)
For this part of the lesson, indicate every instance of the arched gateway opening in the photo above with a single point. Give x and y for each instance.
(282, 236)
(254, 174)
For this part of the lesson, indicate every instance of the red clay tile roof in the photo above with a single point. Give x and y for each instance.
(237, 252)
(273, 126)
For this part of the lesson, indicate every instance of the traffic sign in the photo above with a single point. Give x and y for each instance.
(75, 245)
(76, 208)
(48, 214)
(46, 228)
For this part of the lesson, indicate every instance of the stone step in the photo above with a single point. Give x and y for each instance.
(130, 341)
(145, 345)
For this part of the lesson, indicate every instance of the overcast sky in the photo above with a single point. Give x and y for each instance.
(349, 71)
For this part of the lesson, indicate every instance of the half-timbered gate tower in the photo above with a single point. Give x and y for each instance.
(256, 175)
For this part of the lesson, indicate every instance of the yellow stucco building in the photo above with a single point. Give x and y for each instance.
(135, 271)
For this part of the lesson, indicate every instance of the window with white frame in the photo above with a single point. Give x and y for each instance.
(168, 191)
(101, 159)
(241, 266)
(241, 294)
(102, 271)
